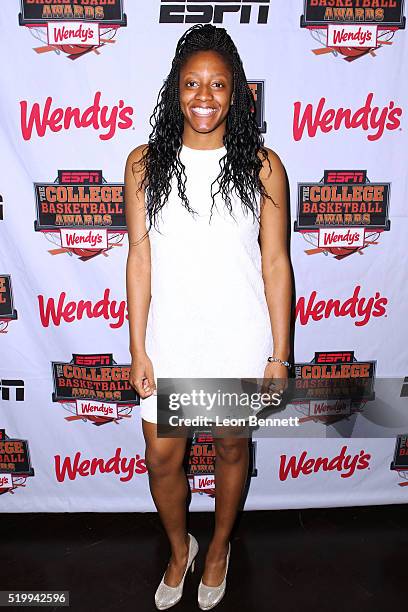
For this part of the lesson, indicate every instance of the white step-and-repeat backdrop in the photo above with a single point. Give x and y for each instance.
(79, 80)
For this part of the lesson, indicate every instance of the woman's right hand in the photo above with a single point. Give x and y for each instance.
(141, 376)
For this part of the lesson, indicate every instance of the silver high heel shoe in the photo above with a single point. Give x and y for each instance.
(167, 596)
(210, 596)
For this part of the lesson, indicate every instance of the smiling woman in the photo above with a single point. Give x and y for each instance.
(217, 80)
(205, 96)
(201, 292)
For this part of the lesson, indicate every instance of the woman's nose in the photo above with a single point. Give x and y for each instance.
(204, 93)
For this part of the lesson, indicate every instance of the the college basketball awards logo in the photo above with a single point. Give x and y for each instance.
(258, 89)
(400, 460)
(73, 27)
(201, 463)
(333, 386)
(343, 214)
(94, 388)
(352, 28)
(81, 213)
(7, 311)
(15, 463)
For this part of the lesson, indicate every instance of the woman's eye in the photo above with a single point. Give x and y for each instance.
(194, 83)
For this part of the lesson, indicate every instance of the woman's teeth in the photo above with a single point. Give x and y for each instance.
(205, 112)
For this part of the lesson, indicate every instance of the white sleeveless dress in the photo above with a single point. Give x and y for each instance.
(208, 314)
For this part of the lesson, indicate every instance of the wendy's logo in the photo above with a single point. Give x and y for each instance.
(343, 465)
(352, 29)
(71, 28)
(370, 118)
(332, 387)
(94, 389)
(81, 213)
(342, 214)
(40, 118)
(359, 308)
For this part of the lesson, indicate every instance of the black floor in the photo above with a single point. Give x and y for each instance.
(301, 560)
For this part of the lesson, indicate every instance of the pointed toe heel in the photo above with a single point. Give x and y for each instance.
(210, 596)
(167, 596)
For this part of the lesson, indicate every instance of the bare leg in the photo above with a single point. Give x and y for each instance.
(231, 471)
(169, 488)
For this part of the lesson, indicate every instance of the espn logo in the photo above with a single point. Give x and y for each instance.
(83, 177)
(344, 356)
(345, 176)
(16, 386)
(248, 11)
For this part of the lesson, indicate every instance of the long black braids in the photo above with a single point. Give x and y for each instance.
(239, 167)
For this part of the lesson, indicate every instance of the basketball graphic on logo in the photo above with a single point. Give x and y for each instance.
(341, 252)
(76, 50)
(86, 252)
(352, 52)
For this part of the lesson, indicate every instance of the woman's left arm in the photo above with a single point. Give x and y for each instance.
(276, 268)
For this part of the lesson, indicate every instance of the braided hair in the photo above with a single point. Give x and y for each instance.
(239, 167)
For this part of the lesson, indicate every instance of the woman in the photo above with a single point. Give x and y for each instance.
(203, 299)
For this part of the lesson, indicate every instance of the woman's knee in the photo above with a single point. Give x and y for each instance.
(231, 451)
(162, 461)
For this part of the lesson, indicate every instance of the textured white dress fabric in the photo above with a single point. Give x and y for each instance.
(208, 315)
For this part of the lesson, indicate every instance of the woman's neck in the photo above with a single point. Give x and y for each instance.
(197, 140)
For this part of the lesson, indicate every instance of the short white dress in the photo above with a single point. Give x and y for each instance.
(208, 314)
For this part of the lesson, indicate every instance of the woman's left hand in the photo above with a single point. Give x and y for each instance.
(278, 371)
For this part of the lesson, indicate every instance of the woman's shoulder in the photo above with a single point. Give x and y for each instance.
(272, 156)
(270, 162)
(134, 161)
(137, 153)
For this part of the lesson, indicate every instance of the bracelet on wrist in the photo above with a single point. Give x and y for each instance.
(285, 363)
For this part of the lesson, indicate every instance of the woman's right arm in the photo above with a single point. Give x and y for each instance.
(138, 275)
